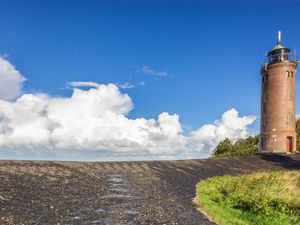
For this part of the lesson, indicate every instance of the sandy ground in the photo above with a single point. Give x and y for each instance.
(153, 192)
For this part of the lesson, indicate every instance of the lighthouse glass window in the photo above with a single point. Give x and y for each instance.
(267, 76)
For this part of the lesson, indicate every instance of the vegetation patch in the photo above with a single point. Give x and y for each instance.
(269, 198)
(247, 146)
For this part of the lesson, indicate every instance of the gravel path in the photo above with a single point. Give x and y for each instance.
(150, 192)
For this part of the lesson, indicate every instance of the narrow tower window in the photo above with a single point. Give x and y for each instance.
(289, 94)
(267, 76)
(265, 97)
(292, 74)
(288, 73)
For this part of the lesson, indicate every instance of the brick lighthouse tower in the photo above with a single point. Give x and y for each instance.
(277, 125)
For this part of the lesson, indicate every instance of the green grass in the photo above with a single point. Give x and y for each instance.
(269, 198)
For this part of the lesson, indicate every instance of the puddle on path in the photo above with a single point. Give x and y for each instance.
(120, 190)
(76, 218)
(105, 221)
(133, 213)
(115, 206)
(122, 197)
(79, 214)
(117, 196)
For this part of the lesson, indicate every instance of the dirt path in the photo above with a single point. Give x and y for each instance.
(113, 193)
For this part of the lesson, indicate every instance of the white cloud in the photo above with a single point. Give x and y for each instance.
(11, 80)
(93, 124)
(82, 84)
(231, 126)
(125, 85)
(92, 119)
(96, 119)
(128, 85)
(148, 71)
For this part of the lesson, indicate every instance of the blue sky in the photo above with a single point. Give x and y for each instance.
(210, 50)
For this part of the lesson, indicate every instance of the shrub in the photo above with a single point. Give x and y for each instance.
(247, 146)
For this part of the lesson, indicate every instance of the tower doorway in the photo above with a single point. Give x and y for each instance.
(289, 144)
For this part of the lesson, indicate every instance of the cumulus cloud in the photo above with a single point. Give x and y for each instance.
(96, 119)
(93, 119)
(148, 71)
(93, 124)
(11, 80)
(231, 126)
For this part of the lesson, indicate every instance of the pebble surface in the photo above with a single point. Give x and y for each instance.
(145, 192)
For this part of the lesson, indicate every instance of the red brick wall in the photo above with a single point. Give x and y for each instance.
(278, 106)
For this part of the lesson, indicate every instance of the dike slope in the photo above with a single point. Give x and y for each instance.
(144, 192)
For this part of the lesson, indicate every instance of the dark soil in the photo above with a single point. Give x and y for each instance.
(152, 192)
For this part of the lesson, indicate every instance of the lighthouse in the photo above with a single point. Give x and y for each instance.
(277, 124)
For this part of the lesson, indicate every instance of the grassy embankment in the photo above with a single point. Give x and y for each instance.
(269, 198)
